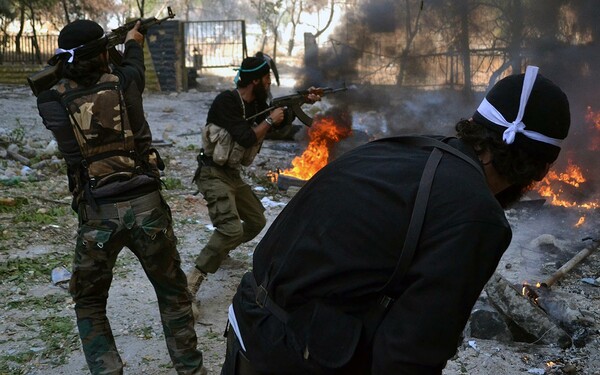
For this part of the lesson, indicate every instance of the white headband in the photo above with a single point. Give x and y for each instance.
(487, 110)
(69, 51)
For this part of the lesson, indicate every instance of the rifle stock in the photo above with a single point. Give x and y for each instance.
(46, 78)
(51, 74)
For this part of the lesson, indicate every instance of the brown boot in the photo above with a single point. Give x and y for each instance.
(196, 311)
(194, 280)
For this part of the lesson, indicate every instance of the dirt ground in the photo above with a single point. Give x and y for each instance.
(37, 324)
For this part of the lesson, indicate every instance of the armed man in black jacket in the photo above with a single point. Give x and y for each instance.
(375, 264)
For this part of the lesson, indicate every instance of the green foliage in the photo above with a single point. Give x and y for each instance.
(60, 337)
(18, 203)
(10, 181)
(59, 340)
(172, 183)
(47, 302)
(51, 216)
(22, 269)
(17, 135)
(145, 333)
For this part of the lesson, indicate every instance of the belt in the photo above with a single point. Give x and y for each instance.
(111, 210)
(207, 161)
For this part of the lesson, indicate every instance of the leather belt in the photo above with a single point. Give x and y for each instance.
(111, 210)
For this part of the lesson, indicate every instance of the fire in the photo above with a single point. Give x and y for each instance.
(325, 132)
(572, 176)
(580, 222)
(554, 184)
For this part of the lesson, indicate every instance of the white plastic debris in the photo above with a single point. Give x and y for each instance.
(26, 171)
(538, 371)
(591, 281)
(60, 276)
(271, 203)
(473, 344)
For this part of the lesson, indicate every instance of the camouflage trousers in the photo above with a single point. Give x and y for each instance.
(144, 226)
(235, 211)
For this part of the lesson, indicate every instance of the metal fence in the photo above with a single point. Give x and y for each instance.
(214, 44)
(429, 71)
(26, 53)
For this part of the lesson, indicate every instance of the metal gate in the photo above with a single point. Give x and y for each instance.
(214, 44)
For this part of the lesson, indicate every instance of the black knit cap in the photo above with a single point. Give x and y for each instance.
(547, 112)
(253, 68)
(78, 33)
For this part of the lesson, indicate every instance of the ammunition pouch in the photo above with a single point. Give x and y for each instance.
(224, 150)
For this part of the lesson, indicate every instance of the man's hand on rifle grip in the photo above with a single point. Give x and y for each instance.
(135, 34)
(277, 115)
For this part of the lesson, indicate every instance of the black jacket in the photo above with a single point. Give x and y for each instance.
(227, 112)
(339, 239)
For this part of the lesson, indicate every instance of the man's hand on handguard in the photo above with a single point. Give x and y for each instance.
(135, 34)
(313, 95)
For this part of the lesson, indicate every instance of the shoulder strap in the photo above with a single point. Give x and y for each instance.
(421, 201)
(416, 219)
(374, 316)
(421, 141)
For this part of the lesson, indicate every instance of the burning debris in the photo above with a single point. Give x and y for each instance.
(327, 130)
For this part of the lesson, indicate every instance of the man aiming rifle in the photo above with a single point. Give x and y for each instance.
(50, 75)
(96, 115)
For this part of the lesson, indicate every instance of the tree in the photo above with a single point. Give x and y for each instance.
(411, 27)
(269, 19)
(295, 9)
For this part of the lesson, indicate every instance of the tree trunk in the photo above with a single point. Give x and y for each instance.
(21, 27)
(464, 47)
(66, 10)
(514, 47)
(34, 42)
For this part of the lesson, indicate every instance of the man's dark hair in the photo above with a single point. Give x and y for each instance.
(518, 167)
(86, 72)
(240, 84)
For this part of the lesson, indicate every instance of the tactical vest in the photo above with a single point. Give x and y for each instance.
(218, 143)
(103, 132)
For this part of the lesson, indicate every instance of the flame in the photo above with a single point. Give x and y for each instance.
(580, 222)
(552, 186)
(272, 175)
(324, 133)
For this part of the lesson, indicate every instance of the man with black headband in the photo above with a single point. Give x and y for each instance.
(97, 117)
(375, 264)
(230, 142)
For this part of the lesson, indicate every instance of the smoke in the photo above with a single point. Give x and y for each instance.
(572, 61)
(380, 16)
(380, 110)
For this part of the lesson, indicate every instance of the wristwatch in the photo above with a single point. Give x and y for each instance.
(269, 121)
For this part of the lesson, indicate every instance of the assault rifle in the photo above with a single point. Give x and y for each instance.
(51, 74)
(295, 102)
